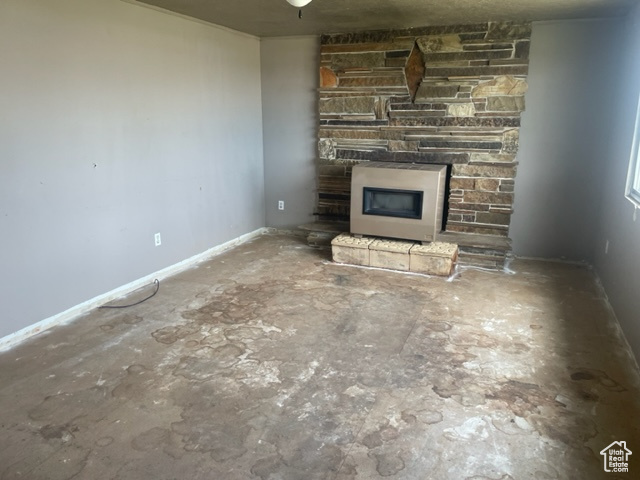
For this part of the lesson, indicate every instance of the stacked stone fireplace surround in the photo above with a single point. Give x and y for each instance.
(449, 95)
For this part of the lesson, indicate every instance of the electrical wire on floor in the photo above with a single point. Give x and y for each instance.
(156, 281)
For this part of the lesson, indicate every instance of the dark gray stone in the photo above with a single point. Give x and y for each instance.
(359, 123)
(405, 44)
(475, 229)
(404, 157)
(508, 30)
(505, 104)
(358, 60)
(467, 55)
(347, 105)
(446, 29)
(476, 71)
(461, 144)
(522, 49)
(427, 92)
(361, 37)
(398, 54)
(376, 81)
(492, 198)
(455, 122)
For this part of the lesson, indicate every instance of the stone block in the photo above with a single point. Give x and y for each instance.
(522, 49)
(374, 46)
(346, 248)
(444, 158)
(395, 62)
(478, 229)
(427, 92)
(487, 184)
(440, 43)
(508, 30)
(461, 110)
(461, 144)
(436, 258)
(374, 81)
(493, 198)
(476, 71)
(511, 141)
(493, 218)
(398, 54)
(403, 146)
(357, 60)
(474, 55)
(484, 171)
(505, 104)
(500, 86)
(327, 149)
(328, 78)
(475, 122)
(391, 254)
(349, 105)
(462, 184)
(464, 29)
(494, 157)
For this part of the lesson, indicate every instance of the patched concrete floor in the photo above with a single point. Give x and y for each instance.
(269, 362)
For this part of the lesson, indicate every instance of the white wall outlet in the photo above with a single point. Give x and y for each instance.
(157, 239)
(280, 204)
(606, 247)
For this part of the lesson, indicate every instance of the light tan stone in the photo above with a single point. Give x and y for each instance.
(505, 104)
(511, 140)
(395, 246)
(503, 85)
(346, 248)
(461, 110)
(436, 258)
(389, 260)
(440, 43)
(391, 254)
(348, 240)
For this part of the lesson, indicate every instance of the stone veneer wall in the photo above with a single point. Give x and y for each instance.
(442, 94)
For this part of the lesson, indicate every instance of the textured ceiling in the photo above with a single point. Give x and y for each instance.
(268, 18)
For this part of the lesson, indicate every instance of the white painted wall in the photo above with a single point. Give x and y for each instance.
(619, 269)
(289, 118)
(117, 122)
(565, 137)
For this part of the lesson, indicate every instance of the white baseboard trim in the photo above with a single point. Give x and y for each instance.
(72, 313)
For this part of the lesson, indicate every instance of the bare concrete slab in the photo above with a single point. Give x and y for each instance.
(272, 362)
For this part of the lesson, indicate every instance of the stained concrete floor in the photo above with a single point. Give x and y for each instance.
(269, 362)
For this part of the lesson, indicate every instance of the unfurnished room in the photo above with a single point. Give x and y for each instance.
(319, 239)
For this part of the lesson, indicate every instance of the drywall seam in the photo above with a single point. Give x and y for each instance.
(72, 313)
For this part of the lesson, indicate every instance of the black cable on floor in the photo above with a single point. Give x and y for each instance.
(156, 281)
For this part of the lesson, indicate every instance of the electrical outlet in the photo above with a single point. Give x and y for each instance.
(280, 204)
(157, 239)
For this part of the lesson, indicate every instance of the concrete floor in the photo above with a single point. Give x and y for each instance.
(268, 362)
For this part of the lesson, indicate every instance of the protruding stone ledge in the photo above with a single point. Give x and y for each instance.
(437, 258)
